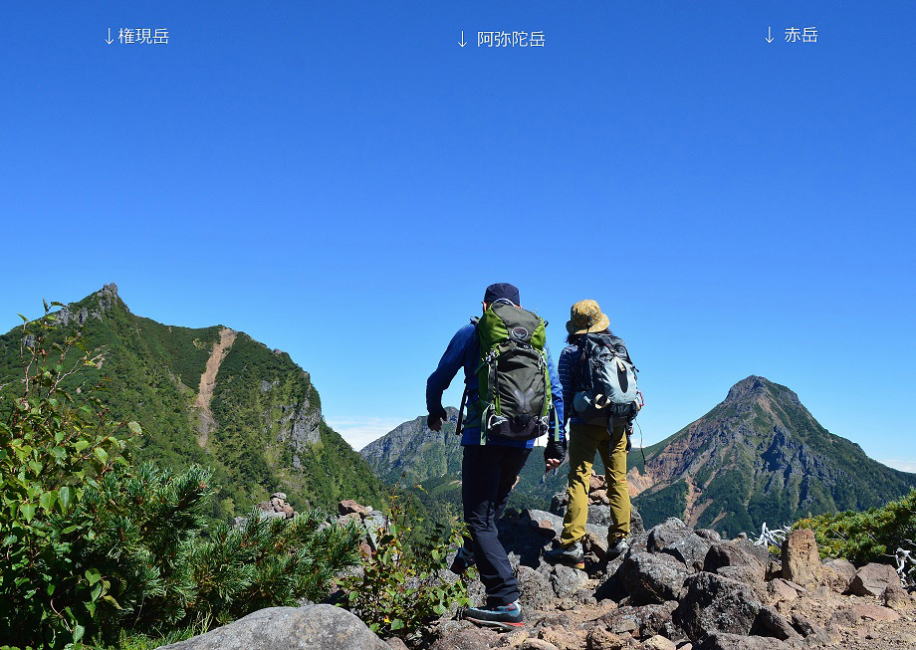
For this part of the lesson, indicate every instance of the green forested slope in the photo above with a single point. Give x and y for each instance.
(268, 433)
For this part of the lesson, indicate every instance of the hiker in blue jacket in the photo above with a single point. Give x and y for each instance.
(490, 467)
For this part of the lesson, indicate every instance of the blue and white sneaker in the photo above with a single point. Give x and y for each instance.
(505, 617)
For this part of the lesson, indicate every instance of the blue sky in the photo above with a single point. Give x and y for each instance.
(341, 180)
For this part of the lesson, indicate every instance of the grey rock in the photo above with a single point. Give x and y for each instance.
(709, 534)
(652, 577)
(747, 575)
(674, 538)
(645, 620)
(567, 580)
(464, 635)
(714, 603)
(537, 592)
(872, 579)
(838, 573)
(771, 623)
(313, 627)
(732, 554)
(725, 641)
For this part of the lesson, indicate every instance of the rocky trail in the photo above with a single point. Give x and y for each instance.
(206, 423)
(677, 588)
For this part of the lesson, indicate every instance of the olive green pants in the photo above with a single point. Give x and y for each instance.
(584, 441)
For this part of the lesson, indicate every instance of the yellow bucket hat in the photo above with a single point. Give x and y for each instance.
(586, 317)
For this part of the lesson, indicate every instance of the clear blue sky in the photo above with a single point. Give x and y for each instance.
(341, 180)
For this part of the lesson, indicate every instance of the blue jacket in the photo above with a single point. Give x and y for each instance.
(464, 350)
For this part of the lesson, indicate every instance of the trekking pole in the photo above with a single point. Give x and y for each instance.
(464, 399)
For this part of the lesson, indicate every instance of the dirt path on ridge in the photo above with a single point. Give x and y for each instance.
(206, 423)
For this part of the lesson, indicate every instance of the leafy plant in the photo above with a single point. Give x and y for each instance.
(872, 535)
(405, 584)
(94, 545)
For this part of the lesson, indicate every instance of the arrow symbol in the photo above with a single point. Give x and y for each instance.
(769, 38)
(109, 40)
(462, 42)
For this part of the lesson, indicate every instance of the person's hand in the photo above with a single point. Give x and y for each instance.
(434, 420)
(554, 453)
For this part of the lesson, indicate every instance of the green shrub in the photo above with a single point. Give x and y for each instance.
(870, 536)
(405, 583)
(94, 546)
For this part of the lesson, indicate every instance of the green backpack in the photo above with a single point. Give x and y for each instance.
(513, 378)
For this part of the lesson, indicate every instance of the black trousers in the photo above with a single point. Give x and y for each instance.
(487, 476)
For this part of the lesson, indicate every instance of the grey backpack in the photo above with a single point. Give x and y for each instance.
(605, 379)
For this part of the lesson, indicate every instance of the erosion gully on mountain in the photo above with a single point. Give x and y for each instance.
(206, 422)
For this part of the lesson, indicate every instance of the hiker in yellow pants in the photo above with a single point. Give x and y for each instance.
(586, 438)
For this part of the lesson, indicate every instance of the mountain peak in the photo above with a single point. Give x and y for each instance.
(755, 387)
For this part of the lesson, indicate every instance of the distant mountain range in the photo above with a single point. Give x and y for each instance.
(212, 396)
(759, 456)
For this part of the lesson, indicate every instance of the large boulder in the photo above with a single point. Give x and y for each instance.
(674, 538)
(801, 562)
(313, 627)
(723, 554)
(872, 579)
(713, 604)
(652, 577)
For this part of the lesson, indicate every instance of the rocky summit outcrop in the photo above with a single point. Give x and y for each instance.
(758, 456)
(313, 627)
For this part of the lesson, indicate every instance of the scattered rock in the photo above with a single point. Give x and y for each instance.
(562, 639)
(276, 506)
(732, 554)
(801, 562)
(313, 627)
(837, 574)
(872, 579)
(771, 623)
(725, 641)
(643, 621)
(566, 580)
(652, 577)
(536, 589)
(467, 638)
(714, 603)
(779, 590)
(850, 615)
(748, 575)
(599, 638)
(396, 643)
(349, 506)
(658, 642)
(896, 597)
(537, 644)
(674, 538)
(709, 534)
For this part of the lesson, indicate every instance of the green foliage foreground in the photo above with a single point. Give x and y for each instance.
(870, 536)
(92, 545)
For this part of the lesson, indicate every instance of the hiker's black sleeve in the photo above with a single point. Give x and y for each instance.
(449, 365)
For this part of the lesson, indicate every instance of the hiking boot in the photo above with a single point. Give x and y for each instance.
(571, 554)
(505, 617)
(618, 548)
(464, 559)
